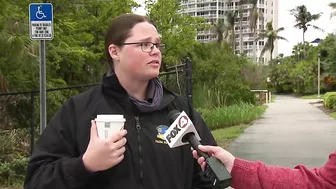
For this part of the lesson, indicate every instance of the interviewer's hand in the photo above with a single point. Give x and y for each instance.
(215, 151)
(102, 154)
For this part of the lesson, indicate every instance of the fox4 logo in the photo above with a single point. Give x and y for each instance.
(182, 123)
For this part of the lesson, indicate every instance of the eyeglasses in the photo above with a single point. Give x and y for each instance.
(148, 46)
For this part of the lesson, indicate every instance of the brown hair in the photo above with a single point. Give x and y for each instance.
(119, 31)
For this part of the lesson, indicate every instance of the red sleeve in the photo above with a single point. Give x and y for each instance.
(255, 175)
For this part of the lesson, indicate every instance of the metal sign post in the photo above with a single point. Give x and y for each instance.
(41, 28)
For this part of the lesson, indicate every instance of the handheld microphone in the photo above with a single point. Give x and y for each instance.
(182, 131)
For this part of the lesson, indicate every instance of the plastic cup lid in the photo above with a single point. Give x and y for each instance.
(110, 117)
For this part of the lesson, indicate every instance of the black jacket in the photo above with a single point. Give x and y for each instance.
(149, 163)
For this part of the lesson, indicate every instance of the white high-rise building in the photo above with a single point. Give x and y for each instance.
(212, 10)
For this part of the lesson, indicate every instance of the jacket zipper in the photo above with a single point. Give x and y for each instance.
(138, 128)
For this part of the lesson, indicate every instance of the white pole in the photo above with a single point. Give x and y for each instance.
(318, 75)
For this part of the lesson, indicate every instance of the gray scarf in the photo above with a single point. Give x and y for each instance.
(145, 106)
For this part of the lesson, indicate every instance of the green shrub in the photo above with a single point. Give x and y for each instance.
(13, 172)
(330, 100)
(14, 154)
(217, 118)
(221, 94)
(218, 76)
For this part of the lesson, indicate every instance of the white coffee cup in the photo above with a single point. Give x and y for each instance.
(108, 124)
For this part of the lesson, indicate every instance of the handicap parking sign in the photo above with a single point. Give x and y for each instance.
(41, 21)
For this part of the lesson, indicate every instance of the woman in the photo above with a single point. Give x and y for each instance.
(69, 154)
(255, 175)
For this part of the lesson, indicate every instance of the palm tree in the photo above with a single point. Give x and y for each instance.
(333, 6)
(241, 16)
(219, 29)
(229, 33)
(270, 34)
(298, 50)
(303, 19)
(226, 30)
(254, 15)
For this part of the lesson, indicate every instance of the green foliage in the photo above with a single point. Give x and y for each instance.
(298, 73)
(13, 172)
(13, 156)
(178, 31)
(222, 117)
(333, 115)
(217, 76)
(256, 75)
(303, 77)
(330, 100)
(328, 57)
(75, 55)
(298, 77)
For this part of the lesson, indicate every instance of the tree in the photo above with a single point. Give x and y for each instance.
(229, 34)
(298, 50)
(271, 35)
(226, 30)
(219, 28)
(333, 6)
(217, 76)
(329, 59)
(254, 15)
(178, 30)
(303, 19)
(18, 53)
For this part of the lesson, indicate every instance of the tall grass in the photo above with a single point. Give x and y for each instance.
(208, 95)
(241, 113)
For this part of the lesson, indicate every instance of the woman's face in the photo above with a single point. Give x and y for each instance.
(132, 60)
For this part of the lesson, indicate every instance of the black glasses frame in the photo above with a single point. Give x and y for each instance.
(159, 46)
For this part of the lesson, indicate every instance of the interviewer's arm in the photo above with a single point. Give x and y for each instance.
(255, 175)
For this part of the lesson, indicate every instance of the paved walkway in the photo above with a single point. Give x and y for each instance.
(291, 132)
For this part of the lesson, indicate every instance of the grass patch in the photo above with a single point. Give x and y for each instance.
(237, 114)
(226, 135)
(312, 96)
(333, 115)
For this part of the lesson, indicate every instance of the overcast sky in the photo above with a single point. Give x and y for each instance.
(286, 20)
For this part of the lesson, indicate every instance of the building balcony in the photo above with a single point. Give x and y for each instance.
(245, 31)
(205, 32)
(247, 47)
(206, 8)
(247, 6)
(188, 10)
(230, 8)
(188, 2)
(208, 15)
(244, 23)
(246, 39)
(206, 1)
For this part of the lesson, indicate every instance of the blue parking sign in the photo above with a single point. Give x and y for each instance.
(41, 21)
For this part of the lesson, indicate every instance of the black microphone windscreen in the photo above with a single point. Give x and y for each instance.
(173, 115)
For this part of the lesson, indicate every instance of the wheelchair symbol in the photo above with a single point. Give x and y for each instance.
(39, 14)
